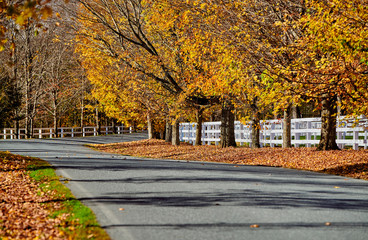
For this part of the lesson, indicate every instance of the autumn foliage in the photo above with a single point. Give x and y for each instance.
(257, 57)
(166, 61)
(347, 163)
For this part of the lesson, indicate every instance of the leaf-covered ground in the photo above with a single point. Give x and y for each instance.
(349, 163)
(33, 203)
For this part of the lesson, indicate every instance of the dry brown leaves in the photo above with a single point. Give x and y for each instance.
(349, 163)
(22, 212)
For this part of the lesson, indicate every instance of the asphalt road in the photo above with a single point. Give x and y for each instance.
(177, 200)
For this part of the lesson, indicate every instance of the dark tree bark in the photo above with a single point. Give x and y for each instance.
(255, 124)
(98, 125)
(168, 130)
(28, 75)
(296, 112)
(328, 127)
(227, 125)
(175, 133)
(56, 125)
(55, 113)
(113, 123)
(199, 119)
(150, 126)
(286, 131)
(17, 128)
(17, 116)
(82, 114)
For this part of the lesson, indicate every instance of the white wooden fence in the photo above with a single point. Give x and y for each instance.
(305, 132)
(9, 133)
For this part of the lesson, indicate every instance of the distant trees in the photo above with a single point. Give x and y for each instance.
(22, 12)
(40, 77)
(9, 99)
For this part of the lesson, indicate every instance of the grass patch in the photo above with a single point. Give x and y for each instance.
(80, 222)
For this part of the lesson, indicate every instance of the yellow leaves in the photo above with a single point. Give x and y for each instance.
(278, 23)
(46, 12)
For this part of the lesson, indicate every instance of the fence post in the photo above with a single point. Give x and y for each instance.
(72, 132)
(355, 138)
(130, 129)
(308, 135)
(11, 134)
(40, 133)
(365, 138)
(272, 134)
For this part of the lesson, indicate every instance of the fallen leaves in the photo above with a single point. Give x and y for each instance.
(349, 163)
(22, 214)
(35, 205)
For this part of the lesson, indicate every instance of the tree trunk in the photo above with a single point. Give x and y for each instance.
(150, 127)
(295, 112)
(168, 131)
(255, 124)
(16, 126)
(175, 133)
(286, 131)
(28, 78)
(31, 126)
(15, 82)
(113, 124)
(55, 113)
(28, 125)
(227, 125)
(98, 125)
(56, 125)
(328, 128)
(199, 118)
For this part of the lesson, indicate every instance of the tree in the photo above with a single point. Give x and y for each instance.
(23, 12)
(332, 61)
(9, 98)
(43, 68)
(119, 29)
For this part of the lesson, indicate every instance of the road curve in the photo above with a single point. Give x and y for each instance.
(144, 199)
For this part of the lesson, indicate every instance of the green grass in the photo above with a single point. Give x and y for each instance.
(80, 221)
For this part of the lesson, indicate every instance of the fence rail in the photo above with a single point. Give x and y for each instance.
(305, 132)
(10, 133)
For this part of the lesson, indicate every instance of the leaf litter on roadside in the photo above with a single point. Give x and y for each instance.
(22, 214)
(349, 163)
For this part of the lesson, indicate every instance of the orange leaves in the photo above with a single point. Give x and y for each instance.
(22, 216)
(346, 162)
